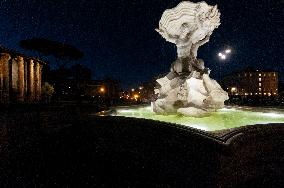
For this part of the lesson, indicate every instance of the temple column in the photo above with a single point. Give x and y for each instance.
(1, 81)
(21, 78)
(31, 80)
(26, 79)
(4, 63)
(40, 79)
(37, 80)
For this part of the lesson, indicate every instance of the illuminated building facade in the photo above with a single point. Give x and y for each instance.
(20, 78)
(252, 83)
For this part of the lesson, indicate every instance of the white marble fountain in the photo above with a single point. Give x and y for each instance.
(188, 89)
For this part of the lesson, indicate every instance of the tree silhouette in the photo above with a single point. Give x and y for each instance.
(64, 53)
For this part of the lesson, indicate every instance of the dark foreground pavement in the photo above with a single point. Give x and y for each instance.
(63, 147)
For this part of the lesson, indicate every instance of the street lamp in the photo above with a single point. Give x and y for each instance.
(223, 55)
(102, 89)
(136, 96)
(228, 51)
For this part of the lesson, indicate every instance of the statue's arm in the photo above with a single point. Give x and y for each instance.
(203, 41)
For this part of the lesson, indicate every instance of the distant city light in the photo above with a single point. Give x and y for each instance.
(233, 89)
(220, 54)
(136, 96)
(140, 87)
(132, 89)
(102, 89)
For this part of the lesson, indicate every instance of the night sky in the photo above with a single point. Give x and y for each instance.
(119, 40)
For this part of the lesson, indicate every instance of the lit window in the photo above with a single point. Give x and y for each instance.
(259, 84)
(259, 79)
(259, 74)
(250, 74)
(256, 93)
(274, 74)
(264, 75)
(250, 93)
(246, 93)
(264, 93)
(259, 89)
(245, 74)
(269, 94)
(259, 93)
(274, 93)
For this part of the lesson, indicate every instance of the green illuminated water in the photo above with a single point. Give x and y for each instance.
(225, 118)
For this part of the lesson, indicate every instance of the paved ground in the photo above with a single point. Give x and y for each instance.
(63, 146)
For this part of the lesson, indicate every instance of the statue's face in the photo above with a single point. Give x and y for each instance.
(184, 30)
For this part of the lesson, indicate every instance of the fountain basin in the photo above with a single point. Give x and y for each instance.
(225, 118)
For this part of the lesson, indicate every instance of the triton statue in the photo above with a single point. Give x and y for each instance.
(187, 89)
